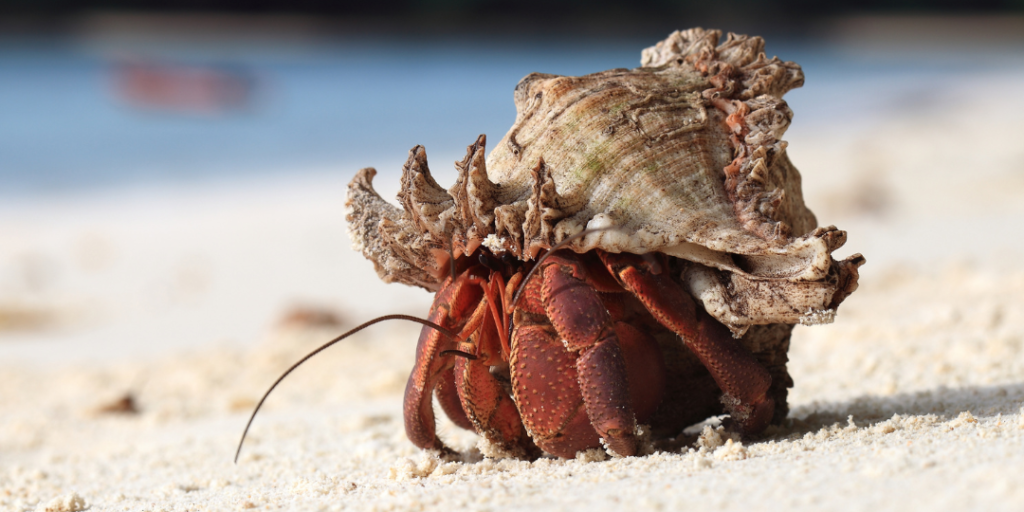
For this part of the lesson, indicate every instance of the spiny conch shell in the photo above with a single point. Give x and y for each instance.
(682, 155)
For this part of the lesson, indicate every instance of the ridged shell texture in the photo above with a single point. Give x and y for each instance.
(683, 155)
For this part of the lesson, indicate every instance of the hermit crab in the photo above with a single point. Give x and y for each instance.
(635, 251)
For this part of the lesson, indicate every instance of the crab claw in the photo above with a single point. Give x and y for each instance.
(570, 377)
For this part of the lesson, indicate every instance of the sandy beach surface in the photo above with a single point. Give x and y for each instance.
(139, 327)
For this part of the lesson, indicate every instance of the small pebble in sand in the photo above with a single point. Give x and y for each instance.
(714, 437)
(310, 316)
(722, 445)
(124, 405)
(67, 503)
(21, 318)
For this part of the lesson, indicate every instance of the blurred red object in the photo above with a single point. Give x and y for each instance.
(183, 88)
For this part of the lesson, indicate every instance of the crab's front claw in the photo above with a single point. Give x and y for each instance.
(546, 385)
(586, 329)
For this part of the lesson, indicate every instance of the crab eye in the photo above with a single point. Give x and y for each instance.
(490, 262)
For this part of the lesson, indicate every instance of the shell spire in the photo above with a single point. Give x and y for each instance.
(748, 88)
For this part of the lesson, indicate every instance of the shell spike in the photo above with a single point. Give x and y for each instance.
(423, 199)
(385, 235)
(543, 210)
(475, 195)
(365, 209)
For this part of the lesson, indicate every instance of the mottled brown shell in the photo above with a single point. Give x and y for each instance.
(682, 155)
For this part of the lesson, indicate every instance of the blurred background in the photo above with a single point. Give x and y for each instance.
(173, 174)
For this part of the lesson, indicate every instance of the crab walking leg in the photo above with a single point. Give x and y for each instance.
(744, 381)
(645, 368)
(578, 315)
(448, 397)
(453, 304)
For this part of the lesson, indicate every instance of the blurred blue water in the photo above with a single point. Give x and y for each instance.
(346, 103)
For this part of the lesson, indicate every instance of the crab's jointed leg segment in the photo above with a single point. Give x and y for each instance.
(452, 306)
(645, 368)
(448, 397)
(744, 381)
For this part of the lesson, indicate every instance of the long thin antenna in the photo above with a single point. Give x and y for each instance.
(459, 353)
(377, 320)
(559, 245)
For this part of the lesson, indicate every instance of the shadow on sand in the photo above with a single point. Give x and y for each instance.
(945, 403)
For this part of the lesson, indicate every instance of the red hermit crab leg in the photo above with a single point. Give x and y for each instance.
(448, 397)
(744, 381)
(496, 298)
(469, 393)
(453, 305)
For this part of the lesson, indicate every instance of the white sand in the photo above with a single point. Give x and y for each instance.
(912, 400)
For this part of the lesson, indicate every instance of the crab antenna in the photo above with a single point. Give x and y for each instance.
(377, 320)
(459, 353)
(559, 245)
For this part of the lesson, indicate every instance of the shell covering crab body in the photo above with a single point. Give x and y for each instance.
(688, 255)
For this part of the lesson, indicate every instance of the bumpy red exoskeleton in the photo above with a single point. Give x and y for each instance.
(576, 352)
